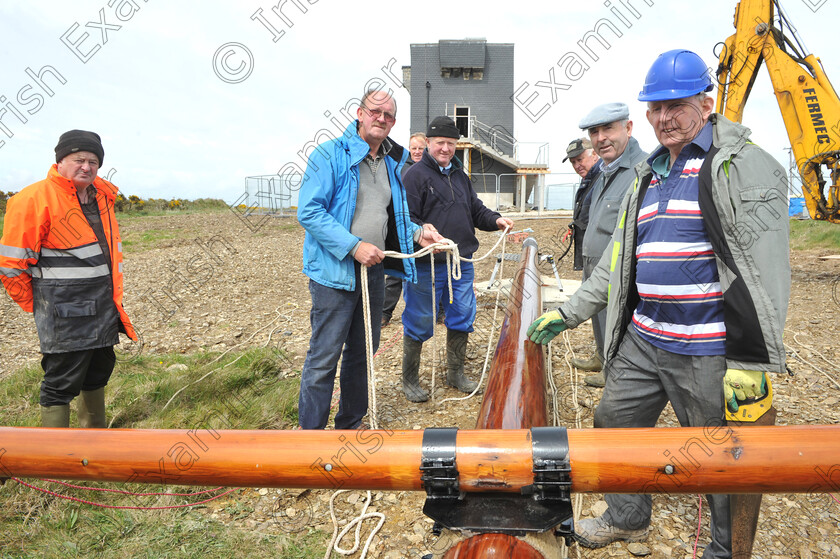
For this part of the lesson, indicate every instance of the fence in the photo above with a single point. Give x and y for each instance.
(272, 194)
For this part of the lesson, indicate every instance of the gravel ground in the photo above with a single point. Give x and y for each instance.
(213, 281)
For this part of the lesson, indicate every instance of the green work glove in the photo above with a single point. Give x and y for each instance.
(738, 385)
(546, 327)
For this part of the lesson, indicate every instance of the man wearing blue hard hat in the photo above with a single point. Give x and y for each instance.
(696, 285)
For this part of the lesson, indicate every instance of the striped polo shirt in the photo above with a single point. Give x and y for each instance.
(681, 304)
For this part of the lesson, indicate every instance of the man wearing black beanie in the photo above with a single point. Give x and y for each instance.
(75, 141)
(61, 259)
(440, 193)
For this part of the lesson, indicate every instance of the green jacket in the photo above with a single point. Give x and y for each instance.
(743, 200)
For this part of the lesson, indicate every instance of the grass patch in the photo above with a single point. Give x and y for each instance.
(134, 241)
(808, 234)
(254, 389)
(246, 390)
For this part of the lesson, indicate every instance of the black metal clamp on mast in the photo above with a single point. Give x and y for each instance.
(540, 507)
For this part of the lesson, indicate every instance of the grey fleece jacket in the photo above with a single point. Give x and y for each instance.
(743, 200)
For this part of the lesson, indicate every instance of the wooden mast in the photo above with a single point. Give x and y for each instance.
(516, 397)
(515, 394)
(713, 459)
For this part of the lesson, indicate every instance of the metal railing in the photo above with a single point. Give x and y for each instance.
(495, 137)
(272, 194)
(501, 141)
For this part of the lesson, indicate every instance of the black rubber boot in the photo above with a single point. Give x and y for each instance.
(411, 370)
(456, 351)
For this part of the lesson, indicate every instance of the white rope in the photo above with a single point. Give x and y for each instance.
(568, 356)
(434, 318)
(824, 373)
(374, 424)
(357, 522)
(452, 254)
(453, 272)
(371, 372)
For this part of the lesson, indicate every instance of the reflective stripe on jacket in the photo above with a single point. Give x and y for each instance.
(51, 264)
(745, 207)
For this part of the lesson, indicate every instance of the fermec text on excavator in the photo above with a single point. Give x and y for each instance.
(810, 106)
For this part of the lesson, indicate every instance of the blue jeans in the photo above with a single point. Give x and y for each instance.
(418, 318)
(338, 329)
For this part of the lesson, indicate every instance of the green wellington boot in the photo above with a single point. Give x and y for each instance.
(91, 409)
(55, 416)
(593, 364)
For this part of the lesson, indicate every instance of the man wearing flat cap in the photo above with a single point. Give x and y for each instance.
(610, 130)
(441, 194)
(586, 163)
(61, 259)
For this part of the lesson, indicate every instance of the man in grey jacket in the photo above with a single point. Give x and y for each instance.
(696, 283)
(610, 131)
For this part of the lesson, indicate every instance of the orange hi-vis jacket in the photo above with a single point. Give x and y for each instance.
(52, 265)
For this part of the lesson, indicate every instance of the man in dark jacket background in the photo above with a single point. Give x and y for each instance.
(587, 164)
(441, 194)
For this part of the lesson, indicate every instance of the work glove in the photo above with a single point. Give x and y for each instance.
(738, 385)
(546, 327)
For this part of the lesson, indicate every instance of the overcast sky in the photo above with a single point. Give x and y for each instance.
(190, 97)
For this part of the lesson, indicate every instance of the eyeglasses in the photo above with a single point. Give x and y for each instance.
(376, 113)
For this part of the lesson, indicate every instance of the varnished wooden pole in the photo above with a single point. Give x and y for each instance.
(714, 459)
(515, 394)
(492, 546)
(515, 397)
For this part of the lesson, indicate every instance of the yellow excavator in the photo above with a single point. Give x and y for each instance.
(810, 106)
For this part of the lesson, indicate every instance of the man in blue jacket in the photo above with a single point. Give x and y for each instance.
(352, 205)
(441, 194)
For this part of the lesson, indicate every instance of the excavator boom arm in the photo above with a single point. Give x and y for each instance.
(809, 105)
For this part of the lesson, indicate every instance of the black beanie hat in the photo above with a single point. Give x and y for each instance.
(443, 126)
(79, 140)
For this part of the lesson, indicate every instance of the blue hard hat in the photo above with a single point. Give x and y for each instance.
(676, 74)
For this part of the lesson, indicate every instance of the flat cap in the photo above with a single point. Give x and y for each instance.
(576, 147)
(604, 114)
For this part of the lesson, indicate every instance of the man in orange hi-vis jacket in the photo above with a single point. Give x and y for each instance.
(61, 259)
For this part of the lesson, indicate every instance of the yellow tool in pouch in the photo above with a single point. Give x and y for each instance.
(752, 409)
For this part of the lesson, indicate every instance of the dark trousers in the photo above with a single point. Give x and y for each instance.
(599, 321)
(67, 374)
(393, 291)
(641, 380)
(338, 330)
